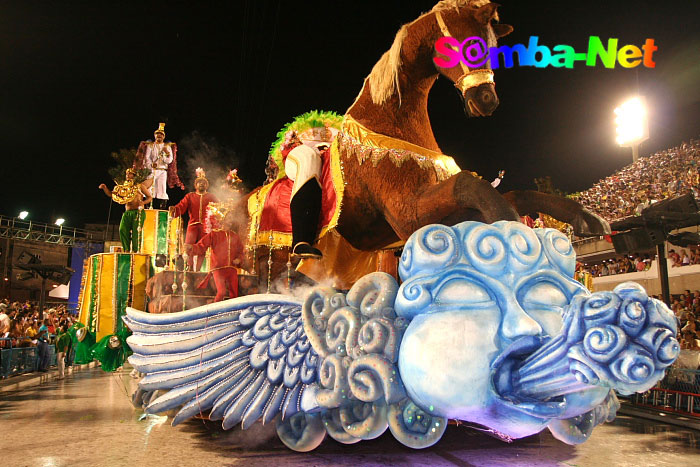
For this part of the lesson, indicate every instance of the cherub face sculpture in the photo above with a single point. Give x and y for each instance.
(476, 293)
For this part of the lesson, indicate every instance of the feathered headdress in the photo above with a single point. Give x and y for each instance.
(233, 181)
(216, 213)
(200, 175)
(317, 126)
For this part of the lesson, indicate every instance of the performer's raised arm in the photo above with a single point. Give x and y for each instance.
(104, 188)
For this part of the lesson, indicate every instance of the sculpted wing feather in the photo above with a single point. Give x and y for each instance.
(243, 360)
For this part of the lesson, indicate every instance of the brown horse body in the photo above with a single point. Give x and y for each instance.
(383, 202)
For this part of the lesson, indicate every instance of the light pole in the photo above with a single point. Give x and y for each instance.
(7, 278)
(632, 125)
(59, 223)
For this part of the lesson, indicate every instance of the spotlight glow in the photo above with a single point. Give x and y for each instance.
(23, 215)
(60, 221)
(631, 122)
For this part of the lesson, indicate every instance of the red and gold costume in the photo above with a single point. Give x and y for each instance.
(195, 205)
(226, 253)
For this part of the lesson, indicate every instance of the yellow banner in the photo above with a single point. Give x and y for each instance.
(113, 281)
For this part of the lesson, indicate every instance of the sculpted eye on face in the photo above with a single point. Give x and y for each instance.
(465, 293)
(544, 298)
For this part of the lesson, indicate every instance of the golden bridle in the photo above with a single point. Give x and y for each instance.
(470, 78)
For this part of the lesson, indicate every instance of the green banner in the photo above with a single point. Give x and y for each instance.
(162, 232)
(122, 291)
(93, 293)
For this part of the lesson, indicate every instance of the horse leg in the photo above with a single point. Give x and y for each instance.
(584, 222)
(459, 198)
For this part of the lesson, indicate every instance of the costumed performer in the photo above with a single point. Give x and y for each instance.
(497, 181)
(303, 155)
(232, 185)
(133, 198)
(195, 204)
(226, 252)
(161, 158)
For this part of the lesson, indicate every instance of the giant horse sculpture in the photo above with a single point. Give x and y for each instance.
(396, 179)
(386, 198)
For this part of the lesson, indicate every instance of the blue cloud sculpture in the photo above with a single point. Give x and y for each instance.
(488, 327)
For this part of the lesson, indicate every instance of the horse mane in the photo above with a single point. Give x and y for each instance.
(384, 77)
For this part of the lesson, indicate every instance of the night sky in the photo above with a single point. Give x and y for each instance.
(79, 80)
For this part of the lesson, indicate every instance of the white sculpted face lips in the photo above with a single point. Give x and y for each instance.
(474, 313)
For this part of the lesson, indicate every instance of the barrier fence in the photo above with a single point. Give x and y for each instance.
(678, 392)
(18, 360)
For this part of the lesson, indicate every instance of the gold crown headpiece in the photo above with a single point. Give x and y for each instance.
(232, 177)
(161, 129)
(218, 211)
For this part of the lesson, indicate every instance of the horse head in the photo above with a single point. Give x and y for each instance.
(474, 24)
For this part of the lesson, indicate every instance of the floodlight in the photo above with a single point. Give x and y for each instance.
(632, 126)
(60, 221)
(23, 215)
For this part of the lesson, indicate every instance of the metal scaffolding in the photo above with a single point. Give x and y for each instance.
(17, 229)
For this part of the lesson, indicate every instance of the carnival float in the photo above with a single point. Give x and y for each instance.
(400, 292)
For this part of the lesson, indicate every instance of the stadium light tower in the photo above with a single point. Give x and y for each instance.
(632, 125)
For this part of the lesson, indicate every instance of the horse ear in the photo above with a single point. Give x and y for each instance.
(486, 13)
(502, 30)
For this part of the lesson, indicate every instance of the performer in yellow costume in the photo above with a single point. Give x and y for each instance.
(132, 197)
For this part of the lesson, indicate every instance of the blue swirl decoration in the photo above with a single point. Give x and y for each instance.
(431, 248)
(558, 249)
(504, 252)
(359, 384)
(621, 339)
(413, 426)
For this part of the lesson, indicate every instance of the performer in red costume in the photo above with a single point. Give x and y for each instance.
(303, 159)
(195, 204)
(226, 253)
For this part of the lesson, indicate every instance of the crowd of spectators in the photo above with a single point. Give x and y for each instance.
(665, 174)
(620, 265)
(684, 257)
(686, 307)
(22, 326)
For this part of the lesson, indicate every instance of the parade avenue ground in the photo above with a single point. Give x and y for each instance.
(88, 420)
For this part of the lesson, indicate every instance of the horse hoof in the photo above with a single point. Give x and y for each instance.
(588, 224)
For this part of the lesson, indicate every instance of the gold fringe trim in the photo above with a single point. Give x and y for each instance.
(338, 178)
(374, 147)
